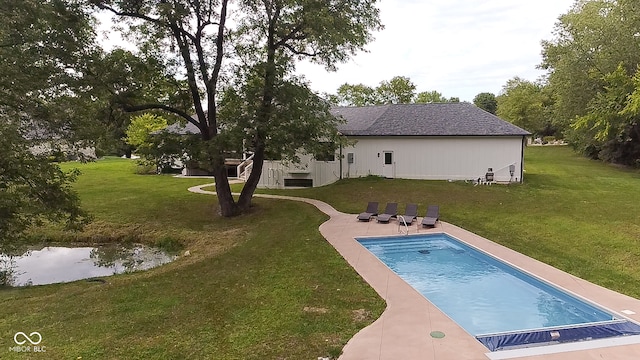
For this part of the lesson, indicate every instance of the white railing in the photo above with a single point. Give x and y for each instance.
(405, 224)
(244, 168)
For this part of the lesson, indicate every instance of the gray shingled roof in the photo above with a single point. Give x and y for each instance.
(182, 129)
(437, 119)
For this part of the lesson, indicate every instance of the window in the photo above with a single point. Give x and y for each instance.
(388, 158)
(298, 182)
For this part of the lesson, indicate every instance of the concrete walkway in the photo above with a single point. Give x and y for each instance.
(404, 331)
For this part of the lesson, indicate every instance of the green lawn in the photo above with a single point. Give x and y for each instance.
(267, 285)
(576, 214)
(249, 290)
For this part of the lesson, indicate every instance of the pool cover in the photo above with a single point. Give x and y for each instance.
(516, 340)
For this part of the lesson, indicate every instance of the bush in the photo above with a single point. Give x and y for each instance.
(146, 169)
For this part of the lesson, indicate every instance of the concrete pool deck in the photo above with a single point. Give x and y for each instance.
(404, 329)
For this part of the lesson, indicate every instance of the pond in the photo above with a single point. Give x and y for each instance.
(63, 264)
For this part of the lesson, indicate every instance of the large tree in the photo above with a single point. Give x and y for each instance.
(595, 44)
(486, 101)
(398, 90)
(355, 95)
(41, 44)
(198, 38)
(525, 104)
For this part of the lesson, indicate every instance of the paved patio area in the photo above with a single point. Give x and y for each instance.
(403, 332)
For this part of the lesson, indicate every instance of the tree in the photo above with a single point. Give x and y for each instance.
(195, 38)
(427, 97)
(524, 104)
(121, 77)
(142, 126)
(398, 90)
(356, 95)
(41, 42)
(591, 42)
(612, 121)
(42, 45)
(487, 102)
(32, 190)
(291, 128)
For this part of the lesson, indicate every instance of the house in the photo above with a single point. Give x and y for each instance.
(45, 142)
(438, 141)
(234, 162)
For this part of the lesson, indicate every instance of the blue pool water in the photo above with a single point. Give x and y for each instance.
(484, 295)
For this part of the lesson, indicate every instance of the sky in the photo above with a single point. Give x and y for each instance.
(459, 48)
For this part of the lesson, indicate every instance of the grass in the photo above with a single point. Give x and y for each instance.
(267, 285)
(247, 291)
(576, 214)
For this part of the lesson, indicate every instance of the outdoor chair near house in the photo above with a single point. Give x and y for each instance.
(433, 213)
(372, 210)
(391, 210)
(410, 214)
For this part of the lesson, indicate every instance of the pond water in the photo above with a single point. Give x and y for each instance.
(63, 264)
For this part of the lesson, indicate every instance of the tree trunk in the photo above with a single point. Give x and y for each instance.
(228, 207)
(244, 202)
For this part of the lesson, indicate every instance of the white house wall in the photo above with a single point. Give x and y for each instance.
(428, 158)
(321, 173)
(436, 158)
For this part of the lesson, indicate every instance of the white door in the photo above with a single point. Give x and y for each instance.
(388, 164)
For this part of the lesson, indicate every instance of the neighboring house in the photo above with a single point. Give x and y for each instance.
(234, 165)
(440, 141)
(44, 142)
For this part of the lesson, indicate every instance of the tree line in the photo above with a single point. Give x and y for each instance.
(590, 94)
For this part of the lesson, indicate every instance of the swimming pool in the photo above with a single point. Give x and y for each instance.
(500, 305)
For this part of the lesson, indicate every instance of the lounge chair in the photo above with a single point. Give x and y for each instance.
(372, 210)
(433, 212)
(390, 211)
(410, 214)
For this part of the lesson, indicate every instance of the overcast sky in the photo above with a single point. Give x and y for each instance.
(459, 48)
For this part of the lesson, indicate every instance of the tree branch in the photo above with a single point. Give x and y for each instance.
(151, 106)
(292, 35)
(141, 16)
(191, 75)
(213, 81)
(103, 6)
(300, 52)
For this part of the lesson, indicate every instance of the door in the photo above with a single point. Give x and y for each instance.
(388, 165)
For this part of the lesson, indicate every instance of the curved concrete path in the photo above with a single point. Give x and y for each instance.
(404, 329)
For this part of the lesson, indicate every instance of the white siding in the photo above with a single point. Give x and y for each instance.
(428, 158)
(321, 172)
(437, 158)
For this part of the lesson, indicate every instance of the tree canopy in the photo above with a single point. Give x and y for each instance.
(398, 90)
(592, 63)
(255, 46)
(486, 101)
(525, 104)
(41, 44)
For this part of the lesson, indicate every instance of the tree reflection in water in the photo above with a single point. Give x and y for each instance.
(62, 264)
